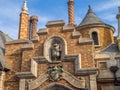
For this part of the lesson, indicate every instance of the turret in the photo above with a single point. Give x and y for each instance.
(24, 23)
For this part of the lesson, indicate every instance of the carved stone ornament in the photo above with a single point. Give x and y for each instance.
(55, 48)
(55, 72)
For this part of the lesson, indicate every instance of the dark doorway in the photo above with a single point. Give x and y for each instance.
(57, 87)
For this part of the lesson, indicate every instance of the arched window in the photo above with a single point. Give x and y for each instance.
(95, 38)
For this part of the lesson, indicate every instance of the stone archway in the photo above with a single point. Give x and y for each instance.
(56, 86)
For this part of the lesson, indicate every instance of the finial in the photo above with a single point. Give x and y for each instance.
(71, 0)
(25, 9)
(90, 9)
(119, 9)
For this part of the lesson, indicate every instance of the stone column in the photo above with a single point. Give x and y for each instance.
(2, 80)
(33, 25)
(93, 83)
(71, 12)
(22, 84)
(118, 18)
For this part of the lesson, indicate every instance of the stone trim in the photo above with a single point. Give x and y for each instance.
(27, 47)
(35, 39)
(98, 35)
(37, 82)
(86, 71)
(19, 41)
(102, 57)
(73, 80)
(85, 40)
(76, 34)
(68, 28)
(40, 59)
(107, 79)
(42, 31)
(96, 25)
(22, 84)
(57, 22)
(66, 76)
(25, 75)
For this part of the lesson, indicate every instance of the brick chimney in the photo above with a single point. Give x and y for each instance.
(24, 23)
(33, 25)
(71, 12)
(118, 18)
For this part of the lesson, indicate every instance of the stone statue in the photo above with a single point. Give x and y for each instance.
(56, 51)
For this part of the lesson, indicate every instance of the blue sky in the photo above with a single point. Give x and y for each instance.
(48, 10)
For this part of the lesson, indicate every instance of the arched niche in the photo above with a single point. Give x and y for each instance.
(56, 86)
(55, 48)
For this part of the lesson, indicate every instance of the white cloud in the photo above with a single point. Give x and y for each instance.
(108, 4)
(109, 17)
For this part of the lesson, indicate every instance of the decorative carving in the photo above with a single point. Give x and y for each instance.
(65, 75)
(55, 72)
(56, 50)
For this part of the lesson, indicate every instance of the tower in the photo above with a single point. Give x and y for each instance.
(118, 18)
(71, 12)
(24, 23)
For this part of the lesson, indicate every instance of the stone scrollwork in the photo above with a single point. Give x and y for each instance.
(55, 72)
(60, 74)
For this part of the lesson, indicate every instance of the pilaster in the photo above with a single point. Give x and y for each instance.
(93, 83)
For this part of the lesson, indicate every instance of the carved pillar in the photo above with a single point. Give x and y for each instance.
(93, 83)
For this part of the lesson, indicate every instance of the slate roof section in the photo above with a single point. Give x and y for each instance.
(91, 18)
(112, 48)
(3, 39)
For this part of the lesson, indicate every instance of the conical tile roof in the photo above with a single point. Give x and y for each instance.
(91, 18)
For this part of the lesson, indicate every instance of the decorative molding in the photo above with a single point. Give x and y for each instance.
(37, 82)
(25, 75)
(96, 25)
(73, 80)
(76, 34)
(57, 22)
(68, 27)
(85, 40)
(19, 41)
(86, 71)
(27, 47)
(42, 31)
(66, 76)
(35, 38)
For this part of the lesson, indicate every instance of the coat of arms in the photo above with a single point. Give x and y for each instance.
(55, 72)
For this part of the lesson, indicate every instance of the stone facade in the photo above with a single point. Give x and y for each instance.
(62, 56)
